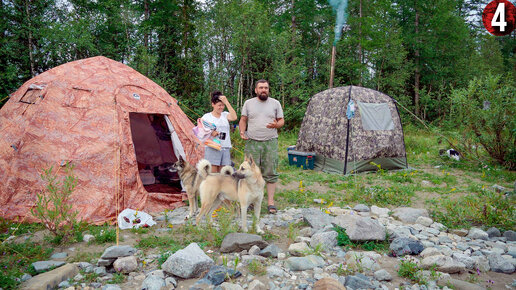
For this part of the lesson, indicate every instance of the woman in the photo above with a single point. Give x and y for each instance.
(221, 119)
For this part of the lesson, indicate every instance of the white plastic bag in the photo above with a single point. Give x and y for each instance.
(133, 219)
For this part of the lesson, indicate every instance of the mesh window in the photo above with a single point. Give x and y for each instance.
(375, 116)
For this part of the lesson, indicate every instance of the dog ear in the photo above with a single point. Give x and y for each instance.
(250, 159)
(181, 160)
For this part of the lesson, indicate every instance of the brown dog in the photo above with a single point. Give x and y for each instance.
(246, 186)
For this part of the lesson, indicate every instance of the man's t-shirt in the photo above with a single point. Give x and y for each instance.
(222, 124)
(259, 114)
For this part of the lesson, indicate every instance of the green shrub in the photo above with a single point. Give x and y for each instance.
(53, 208)
(484, 114)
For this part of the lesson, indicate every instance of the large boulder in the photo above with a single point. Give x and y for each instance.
(360, 228)
(316, 218)
(236, 242)
(118, 251)
(187, 263)
(327, 240)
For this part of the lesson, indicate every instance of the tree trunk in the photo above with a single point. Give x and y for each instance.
(360, 42)
(293, 23)
(29, 42)
(146, 18)
(417, 73)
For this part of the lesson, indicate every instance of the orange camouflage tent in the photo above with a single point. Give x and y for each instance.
(118, 128)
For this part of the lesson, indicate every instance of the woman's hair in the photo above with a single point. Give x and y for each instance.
(215, 97)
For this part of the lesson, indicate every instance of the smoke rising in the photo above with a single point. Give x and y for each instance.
(340, 7)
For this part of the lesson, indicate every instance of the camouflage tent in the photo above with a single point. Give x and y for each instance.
(373, 134)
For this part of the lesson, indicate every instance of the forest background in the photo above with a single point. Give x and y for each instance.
(433, 57)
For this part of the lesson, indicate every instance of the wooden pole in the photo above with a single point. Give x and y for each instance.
(332, 66)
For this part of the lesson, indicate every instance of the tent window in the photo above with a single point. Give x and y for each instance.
(376, 116)
(31, 96)
(79, 98)
(154, 151)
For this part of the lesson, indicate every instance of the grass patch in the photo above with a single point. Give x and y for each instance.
(256, 268)
(399, 195)
(412, 271)
(17, 259)
(103, 234)
(84, 257)
(118, 278)
(483, 207)
(9, 228)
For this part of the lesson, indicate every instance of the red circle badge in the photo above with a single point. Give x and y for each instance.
(499, 17)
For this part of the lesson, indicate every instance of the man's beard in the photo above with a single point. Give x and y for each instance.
(263, 96)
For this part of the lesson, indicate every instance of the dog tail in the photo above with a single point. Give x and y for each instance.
(204, 168)
(227, 170)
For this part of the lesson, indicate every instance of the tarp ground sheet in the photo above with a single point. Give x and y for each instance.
(79, 113)
(325, 131)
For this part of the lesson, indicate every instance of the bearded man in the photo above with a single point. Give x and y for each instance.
(262, 116)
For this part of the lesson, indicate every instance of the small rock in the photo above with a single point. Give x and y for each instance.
(460, 232)
(405, 246)
(430, 252)
(274, 271)
(498, 188)
(408, 214)
(444, 264)
(476, 233)
(256, 285)
(59, 256)
(298, 249)
(379, 211)
(42, 266)
(303, 263)
(25, 277)
(152, 283)
(169, 281)
(328, 283)
(425, 221)
(64, 284)
(105, 262)
(101, 271)
(87, 238)
(254, 250)
(493, 232)
(499, 264)
(235, 242)
(111, 287)
(230, 286)
(361, 208)
(270, 251)
(382, 275)
(126, 264)
(510, 235)
(358, 282)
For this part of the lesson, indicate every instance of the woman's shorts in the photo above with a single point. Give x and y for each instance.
(219, 158)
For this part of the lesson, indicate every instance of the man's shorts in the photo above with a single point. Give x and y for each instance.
(219, 158)
(265, 154)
